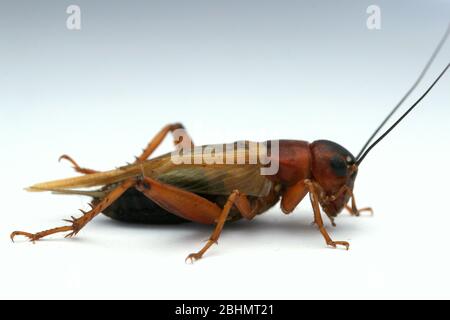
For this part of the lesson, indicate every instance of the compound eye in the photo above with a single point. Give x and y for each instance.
(349, 160)
(339, 166)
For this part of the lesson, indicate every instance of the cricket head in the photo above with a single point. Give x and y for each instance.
(334, 169)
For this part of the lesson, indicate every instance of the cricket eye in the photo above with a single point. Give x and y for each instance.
(339, 166)
(349, 160)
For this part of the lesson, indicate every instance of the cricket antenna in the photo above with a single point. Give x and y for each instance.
(414, 86)
(361, 158)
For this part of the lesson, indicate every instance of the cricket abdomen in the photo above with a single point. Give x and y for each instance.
(134, 207)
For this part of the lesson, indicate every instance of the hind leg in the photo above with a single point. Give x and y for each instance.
(235, 198)
(180, 137)
(75, 165)
(78, 223)
(194, 207)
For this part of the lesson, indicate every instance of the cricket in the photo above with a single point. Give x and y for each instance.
(161, 190)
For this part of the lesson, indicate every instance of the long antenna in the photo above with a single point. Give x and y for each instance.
(414, 86)
(360, 159)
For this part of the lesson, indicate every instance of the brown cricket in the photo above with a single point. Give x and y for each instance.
(157, 190)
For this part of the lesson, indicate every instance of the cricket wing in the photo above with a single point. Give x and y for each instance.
(218, 179)
(89, 180)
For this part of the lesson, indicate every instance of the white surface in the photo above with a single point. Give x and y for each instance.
(401, 252)
(316, 72)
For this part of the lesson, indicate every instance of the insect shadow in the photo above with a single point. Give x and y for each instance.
(274, 225)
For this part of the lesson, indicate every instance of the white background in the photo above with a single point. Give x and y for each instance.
(325, 78)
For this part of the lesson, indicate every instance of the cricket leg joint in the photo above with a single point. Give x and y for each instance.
(142, 184)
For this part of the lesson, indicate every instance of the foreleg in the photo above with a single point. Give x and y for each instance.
(318, 217)
(353, 210)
